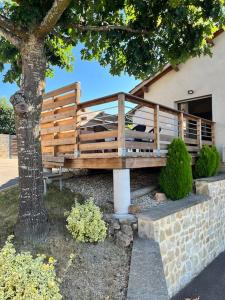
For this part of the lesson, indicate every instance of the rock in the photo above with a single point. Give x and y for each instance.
(115, 224)
(122, 239)
(127, 229)
(160, 197)
(135, 227)
(129, 219)
(134, 209)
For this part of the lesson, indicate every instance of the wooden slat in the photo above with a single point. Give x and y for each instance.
(193, 148)
(47, 164)
(98, 101)
(207, 143)
(166, 137)
(50, 158)
(139, 145)
(137, 134)
(98, 135)
(98, 155)
(57, 129)
(139, 154)
(98, 146)
(63, 90)
(190, 141)
(60, 101)
(58, 117)
(56, 142)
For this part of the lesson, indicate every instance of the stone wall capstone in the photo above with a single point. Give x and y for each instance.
(189, 238)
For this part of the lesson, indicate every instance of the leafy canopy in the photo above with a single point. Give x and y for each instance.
(135, 36)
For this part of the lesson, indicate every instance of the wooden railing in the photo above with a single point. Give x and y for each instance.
(119, 125)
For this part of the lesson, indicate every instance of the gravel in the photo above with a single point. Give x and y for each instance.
(100, 187)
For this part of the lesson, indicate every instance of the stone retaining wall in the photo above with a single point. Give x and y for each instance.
(190, 233)
(8, 146)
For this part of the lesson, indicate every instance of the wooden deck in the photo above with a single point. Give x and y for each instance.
(118, 131)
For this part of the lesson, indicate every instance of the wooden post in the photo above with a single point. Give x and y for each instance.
(213, 133)
(77, 129)
(199, 132)
(121, 125)
(181, 125)
(156, 130)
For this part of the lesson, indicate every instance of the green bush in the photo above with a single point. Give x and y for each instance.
(85, 222)
(23, 277)
(208, 162)
(176, 178)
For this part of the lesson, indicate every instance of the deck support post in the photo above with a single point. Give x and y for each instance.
(121, 191)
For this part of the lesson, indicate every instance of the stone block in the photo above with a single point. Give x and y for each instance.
(160, 197)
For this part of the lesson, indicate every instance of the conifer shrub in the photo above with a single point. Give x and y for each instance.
(176, 178)
(208, 162)
(85, 222)
(23, 277)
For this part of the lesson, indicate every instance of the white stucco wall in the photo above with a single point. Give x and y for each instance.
(205, 76)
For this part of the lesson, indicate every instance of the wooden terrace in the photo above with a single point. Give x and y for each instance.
(119, 131)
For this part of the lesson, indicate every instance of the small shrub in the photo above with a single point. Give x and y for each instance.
(176, 178)
(85, 222)
(208, 162)
(217, 163)
(23, 277)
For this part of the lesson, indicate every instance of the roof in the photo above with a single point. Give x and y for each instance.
(167, 68)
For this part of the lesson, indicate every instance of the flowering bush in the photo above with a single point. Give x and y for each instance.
(23, 277)
(85, 222)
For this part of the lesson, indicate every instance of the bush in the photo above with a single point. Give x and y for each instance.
(85, 222)
(176, 178)
(208, 162)
(23, 277)
(7, 121)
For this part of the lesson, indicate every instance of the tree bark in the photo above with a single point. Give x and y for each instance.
(32, 222)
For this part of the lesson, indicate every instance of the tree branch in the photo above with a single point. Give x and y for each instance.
(15, 41)
(9, 26)
(105, 28)
(52, 17)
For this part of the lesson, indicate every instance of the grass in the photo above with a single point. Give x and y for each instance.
(100, 271)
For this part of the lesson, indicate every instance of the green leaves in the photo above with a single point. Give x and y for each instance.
(176, 177)
(7, 122)
(148, 34)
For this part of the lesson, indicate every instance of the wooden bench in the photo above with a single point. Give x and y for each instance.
(53, 162)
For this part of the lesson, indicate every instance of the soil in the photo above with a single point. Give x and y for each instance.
(99, 271)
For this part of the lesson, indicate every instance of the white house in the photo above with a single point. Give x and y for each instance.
(196, 87)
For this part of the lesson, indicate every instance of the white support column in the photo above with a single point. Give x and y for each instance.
(121, 191)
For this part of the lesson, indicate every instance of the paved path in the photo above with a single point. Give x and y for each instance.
(146, 279)
(209, 284)
(8, 172)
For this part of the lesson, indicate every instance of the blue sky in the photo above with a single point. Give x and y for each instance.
(96, 81)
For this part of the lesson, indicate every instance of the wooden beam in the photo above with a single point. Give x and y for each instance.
(156, 129)
(199, 132)
(121, 125)
(181, 125)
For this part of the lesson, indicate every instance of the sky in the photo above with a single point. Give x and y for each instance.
(95, 80)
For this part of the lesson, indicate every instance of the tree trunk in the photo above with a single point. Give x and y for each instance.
(32, 223)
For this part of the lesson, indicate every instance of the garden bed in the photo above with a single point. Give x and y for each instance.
(99, 271)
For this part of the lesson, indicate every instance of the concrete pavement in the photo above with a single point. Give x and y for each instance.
(8, 172)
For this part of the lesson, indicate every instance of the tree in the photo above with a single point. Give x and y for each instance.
(176, 178)
(7, 122)
(135, 36)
